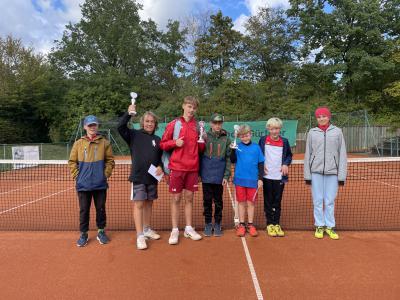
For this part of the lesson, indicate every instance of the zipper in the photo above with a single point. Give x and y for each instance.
(337, 167)
(323, 170)
(84, 154)
(312, 162)
(95, 152)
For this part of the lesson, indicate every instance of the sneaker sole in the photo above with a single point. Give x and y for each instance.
(152, 239)
(207, 235)
(218, 235)
(188, 236)
(173, 243)
(141, 248)
(100, 242)
(80, 246)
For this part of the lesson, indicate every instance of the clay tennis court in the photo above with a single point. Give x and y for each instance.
(48, 265)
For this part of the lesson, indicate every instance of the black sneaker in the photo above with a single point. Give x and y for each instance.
(83, 239)
(102, 237)
(218, 230)
(208, 229)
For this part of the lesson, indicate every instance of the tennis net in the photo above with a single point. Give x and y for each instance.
(40, 195)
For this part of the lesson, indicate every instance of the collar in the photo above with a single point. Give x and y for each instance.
(270, 141)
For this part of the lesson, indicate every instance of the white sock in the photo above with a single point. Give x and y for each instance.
(140, 234)
(175, 229)
(147, 229)
(188, 227)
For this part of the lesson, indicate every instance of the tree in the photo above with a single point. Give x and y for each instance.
(29, 94)
(351, 35)
(218, 53)
(270, 45)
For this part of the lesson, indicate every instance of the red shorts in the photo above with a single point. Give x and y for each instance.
(179, 180)
(244, 194)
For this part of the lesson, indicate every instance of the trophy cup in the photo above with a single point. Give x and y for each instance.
(235, 132)
(201, 125)
(133, 100)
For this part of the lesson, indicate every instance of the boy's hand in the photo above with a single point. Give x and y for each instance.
(260, 184)
(232, 146)
(224, 181)
(132, 107)
(179, 142)
(285, 170)
(159, 171)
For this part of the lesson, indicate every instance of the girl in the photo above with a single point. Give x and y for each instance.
(325, 167)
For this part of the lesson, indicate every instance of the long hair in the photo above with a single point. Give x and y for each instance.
(149, 113)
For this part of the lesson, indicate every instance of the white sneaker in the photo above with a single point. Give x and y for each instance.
(152, 235)
(191, 233)
(174, 237)
(141, 243)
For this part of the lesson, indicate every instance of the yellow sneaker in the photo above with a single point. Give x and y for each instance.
(332, 234)
(279, 231)
(271, 230)
(319, 232)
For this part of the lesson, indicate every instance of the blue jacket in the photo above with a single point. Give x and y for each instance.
(286, 153)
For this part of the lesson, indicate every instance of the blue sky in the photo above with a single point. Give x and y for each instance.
(39, 22)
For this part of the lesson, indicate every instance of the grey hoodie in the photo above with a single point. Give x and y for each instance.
(325, 153)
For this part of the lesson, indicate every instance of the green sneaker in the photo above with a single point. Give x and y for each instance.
(319, 232)
(332, 234)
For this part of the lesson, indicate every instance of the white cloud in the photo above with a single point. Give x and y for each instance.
(40, 24)
(37, 27)
(253, 6)
(239, 23)
(161, 11)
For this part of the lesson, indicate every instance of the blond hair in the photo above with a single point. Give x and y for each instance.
(274, 122)
(244, 129)
(149, 113)
(191, 100)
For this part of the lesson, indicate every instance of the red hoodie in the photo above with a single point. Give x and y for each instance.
(185, 158)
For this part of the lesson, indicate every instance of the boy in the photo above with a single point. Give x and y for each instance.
(249, 171)
(278, 157)
(184, 166)
(215, 172)
(91, 162)
(145, 150)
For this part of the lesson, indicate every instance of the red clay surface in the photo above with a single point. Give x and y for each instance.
(48, 265)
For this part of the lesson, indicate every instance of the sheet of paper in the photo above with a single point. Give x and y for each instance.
(152, 171)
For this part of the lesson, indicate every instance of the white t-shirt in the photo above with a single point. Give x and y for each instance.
(273, 151)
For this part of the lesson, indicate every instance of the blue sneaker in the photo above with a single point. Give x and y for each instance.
(218, 230)
(208, 229)
(83, 239)
(102, 237)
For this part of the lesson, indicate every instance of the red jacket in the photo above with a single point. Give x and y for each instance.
(185, 158)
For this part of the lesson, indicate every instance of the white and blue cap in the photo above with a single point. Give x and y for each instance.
(90, 120)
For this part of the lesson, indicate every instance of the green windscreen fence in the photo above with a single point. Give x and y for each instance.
(288, 131)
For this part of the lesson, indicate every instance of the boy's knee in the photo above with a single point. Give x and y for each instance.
(139, 204)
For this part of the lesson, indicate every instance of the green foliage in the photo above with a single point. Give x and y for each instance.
(344, 54)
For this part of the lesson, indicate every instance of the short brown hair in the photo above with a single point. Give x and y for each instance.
(191, 100)
(244, 129)
(149, 113)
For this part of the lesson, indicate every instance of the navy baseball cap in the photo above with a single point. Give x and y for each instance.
(90, 120)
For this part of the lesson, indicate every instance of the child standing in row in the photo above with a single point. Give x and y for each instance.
(215, 172)
(249, 171)
(278, 157)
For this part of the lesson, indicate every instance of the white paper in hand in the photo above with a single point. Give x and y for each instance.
(152, 171)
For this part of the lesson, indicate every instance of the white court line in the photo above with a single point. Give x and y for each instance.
(33, 201)
(252, 270)
(25, 187)
(248, 256)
